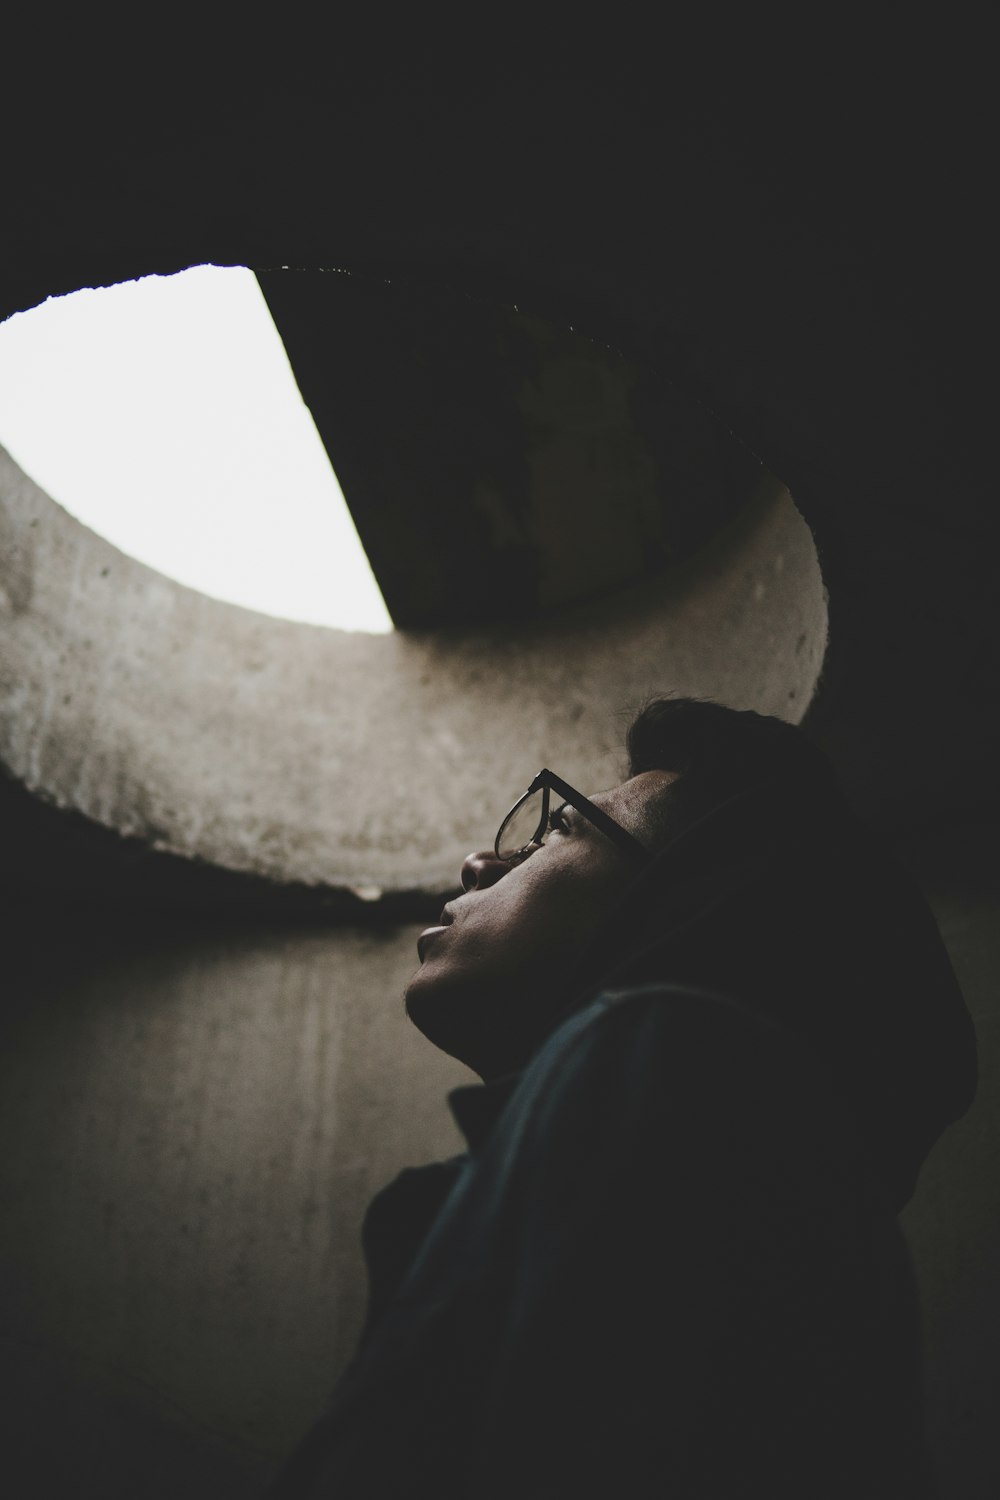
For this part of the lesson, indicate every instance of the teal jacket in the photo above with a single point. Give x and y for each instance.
(665, 1266)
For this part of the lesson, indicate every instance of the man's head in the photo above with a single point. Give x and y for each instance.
(496, 973)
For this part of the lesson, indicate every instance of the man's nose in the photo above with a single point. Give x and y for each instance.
(483, 868)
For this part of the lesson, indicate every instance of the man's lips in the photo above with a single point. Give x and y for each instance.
(426, 937)
(430, 933)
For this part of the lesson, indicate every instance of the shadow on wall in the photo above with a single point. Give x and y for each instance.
(286, 750)
(197, 1110)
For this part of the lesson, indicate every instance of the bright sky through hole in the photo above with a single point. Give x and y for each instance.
(163, 413)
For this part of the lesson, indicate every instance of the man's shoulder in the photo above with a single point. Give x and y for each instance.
(656, 1016)
(647, 1061)
(678, 1003)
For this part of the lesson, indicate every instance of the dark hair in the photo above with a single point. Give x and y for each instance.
(717, 751)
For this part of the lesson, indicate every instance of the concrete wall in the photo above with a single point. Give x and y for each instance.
(193, 1122)
(295, 752)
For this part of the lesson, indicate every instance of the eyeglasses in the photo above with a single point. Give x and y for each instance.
(527, 823)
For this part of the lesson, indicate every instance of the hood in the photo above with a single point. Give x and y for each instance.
(783, 899)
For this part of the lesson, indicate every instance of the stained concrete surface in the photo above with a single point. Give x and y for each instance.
(193, 1122)
(341, 758)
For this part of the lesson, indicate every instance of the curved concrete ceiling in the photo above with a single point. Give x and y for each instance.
(798, 235)
(304, 754)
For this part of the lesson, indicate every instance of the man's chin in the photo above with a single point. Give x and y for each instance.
(445, 1014)
(477, 1024)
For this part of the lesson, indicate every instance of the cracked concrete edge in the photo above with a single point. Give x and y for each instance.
(341, 761)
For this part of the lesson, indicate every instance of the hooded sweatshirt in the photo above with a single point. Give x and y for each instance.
(668, 1263)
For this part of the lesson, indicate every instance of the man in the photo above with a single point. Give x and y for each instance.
(718, 1034)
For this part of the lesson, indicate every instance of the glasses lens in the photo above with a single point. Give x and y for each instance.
(521, 826)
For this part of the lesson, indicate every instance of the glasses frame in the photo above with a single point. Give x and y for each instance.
(547, 781)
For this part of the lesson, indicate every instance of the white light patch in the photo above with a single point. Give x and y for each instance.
(164, 415)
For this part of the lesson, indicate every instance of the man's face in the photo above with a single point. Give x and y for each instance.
(492, 976)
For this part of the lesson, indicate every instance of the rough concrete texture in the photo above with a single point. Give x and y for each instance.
(348, 759)
(194, 1122)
